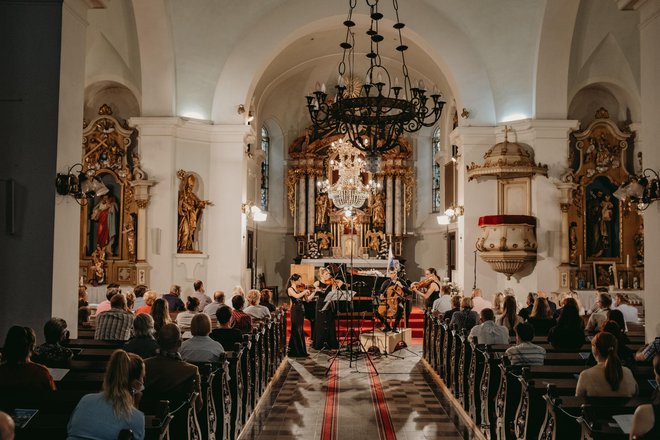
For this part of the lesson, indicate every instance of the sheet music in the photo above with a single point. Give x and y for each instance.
(624, 421)
(58, 373)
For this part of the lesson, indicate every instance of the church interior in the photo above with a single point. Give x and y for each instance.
(396, 186)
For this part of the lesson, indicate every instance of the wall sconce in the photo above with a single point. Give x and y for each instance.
(254, 212)
(241, 109)
(79, 186)
(465, 114)
(642, 190)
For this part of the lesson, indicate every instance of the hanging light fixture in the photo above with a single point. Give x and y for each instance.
(375, 113)
(348, 192)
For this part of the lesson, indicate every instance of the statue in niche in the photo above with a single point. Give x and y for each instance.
(98, 265)
(190, 210)
(373, 239)
(602, 217)
(129, 230)
(639, 242)
(105, 215)
(573, 242)
(377, 206)
(324, 240)
(322, 204)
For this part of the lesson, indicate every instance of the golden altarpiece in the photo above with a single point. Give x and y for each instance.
(113, 221)
(381, 221)
(605, 235)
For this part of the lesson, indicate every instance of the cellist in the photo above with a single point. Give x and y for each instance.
(394, 292)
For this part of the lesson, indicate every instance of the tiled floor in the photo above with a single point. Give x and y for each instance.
(296, 406)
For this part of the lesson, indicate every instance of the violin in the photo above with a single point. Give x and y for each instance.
(425, 284)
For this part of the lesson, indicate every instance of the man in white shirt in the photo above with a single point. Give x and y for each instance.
(443, 303)
(478, 302)
(200, 294)
(597, 318)
(489, 332)
(630, 313)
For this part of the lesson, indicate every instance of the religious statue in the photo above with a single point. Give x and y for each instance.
(322, 204)
(573, 242)
(639, 242)
(190, 210)
(105, 214)
(324, 240)
(377, 206)
(129, 230)
(374, 238)
(98, 265)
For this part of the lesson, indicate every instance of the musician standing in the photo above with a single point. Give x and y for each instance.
(324, 331)
(389, 286)
(432, 285)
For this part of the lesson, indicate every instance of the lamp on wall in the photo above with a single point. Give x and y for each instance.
(79, 186)
(641, 190)
(257, 215)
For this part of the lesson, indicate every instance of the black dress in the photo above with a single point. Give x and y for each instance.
(297, 347)
(325, 335)
(435, 295)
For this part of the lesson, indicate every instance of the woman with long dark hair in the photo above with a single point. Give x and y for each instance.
(160, 311)
(17, 371)
(568, 334)
(541, 317)
(608, 378)
(297, 293)
(510, 318)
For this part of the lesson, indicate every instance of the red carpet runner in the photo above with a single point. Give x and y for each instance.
(329, 429)
(385, 427)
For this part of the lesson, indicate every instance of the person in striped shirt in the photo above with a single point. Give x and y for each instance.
(525, 352)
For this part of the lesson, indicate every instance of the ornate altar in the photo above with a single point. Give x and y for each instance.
(604, 233)
(113, 221)
(381, 219)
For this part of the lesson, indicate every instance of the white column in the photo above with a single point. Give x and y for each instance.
(398, 206)
(66, 242)
(311, 205)
(389, 188)
(225, 224)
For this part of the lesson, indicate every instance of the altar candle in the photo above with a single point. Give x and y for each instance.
(628, 261)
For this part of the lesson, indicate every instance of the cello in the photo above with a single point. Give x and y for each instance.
(387, 308)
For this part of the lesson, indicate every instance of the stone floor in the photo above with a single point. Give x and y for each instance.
(410, 407)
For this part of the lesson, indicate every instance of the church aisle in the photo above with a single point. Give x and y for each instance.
(350, 402)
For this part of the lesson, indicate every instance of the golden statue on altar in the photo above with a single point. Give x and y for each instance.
(377, 206)
(374, 238)
(98, 265)
(322, 205)
(324, 240)
(190, 210)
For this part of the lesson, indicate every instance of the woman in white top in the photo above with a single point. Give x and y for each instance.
(608, 378)
(184, 318)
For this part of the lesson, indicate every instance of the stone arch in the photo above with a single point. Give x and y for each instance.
(123, 99)
(620, 103)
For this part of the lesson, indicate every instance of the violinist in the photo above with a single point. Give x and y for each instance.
(393, 295)
(325, 335)
(297, 292)
(429, 288)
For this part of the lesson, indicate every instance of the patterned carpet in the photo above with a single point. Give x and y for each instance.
(352, 402)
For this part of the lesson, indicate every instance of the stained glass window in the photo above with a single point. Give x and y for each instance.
(265, 146)
(435, 172)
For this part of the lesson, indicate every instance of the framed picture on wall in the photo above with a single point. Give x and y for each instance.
(605, 274)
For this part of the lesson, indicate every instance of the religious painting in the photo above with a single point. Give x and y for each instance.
(605, 274)
(104, 217)
(602, 219)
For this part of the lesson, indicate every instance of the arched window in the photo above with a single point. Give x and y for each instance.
(435, 172)
(265, 146)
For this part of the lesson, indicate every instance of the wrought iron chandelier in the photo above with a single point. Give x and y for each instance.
(348, 192)
(373, 115)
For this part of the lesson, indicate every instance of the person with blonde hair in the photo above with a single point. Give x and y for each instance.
(201, 348)
(238, 290)
(103, 415)
(255, 310)
(143, 343)
(479, 302)
(150, 298)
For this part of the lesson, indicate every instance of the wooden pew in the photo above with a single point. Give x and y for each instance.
(236, 387)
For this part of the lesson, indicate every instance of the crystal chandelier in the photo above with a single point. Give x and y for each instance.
(348, 192)
(373, 115)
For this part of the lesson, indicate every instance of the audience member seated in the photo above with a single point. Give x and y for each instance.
(115, 324)
(17, 372)
(130, 301)
(625, 354)
(630, 313)
(498, 304)
(256, 311)
(455, 307)
(608, 378)
(443, 304)
(84, 313)
(103, 415)
(647, 353)
(184, 319)
(616, 316)
(167, 373)
(646, 421)
(266, 298)
(510, 318)
(6, 427)
(489, 332)
(200, 294)
(541, 317)
(599, 316)
(568, 334)
(226, 334)
(149, 300)
(160, 311)
(526, 311)
(201, 348)
(173, 301)
(466, 318)
(143, 342)
(478, 301)
(111, 290)
(82, 296)
(525, 352)
(218, 301)
(237, 290)
(240, 319)
(51, 353)
(139, 291)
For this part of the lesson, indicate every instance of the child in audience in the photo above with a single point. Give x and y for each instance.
(525, 352)
(608, 378)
